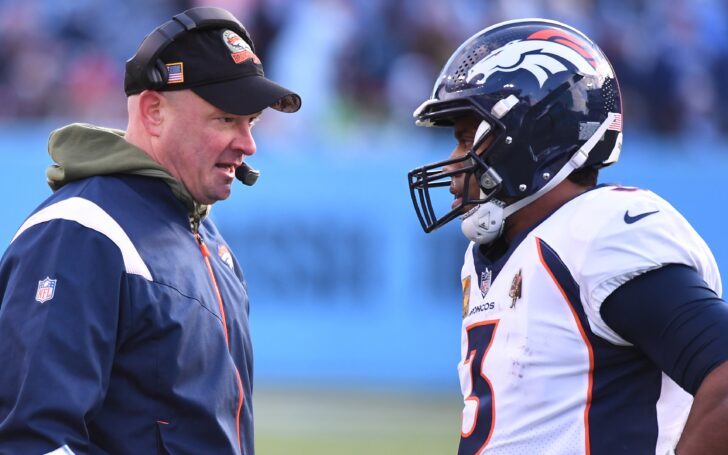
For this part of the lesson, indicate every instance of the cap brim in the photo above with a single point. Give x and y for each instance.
(249, 95)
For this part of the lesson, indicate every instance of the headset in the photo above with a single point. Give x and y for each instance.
(151, 72)
(246, 174)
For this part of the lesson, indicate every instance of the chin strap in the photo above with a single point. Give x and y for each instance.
(484, 223)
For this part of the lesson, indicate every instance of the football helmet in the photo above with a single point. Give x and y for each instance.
(549, 99)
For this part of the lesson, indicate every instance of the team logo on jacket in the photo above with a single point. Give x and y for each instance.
(46, 290)
(542, 54)
(226, 256)
(485, 278)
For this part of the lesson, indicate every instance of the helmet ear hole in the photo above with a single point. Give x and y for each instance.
(542, 133)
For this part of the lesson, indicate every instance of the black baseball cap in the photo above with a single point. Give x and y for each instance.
(219, 66)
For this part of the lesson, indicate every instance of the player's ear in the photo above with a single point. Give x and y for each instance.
(151, 111)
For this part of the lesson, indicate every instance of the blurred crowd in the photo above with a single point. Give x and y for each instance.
(366, 62)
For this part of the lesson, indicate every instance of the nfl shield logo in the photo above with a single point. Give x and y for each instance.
(46, 290)
(485, 279)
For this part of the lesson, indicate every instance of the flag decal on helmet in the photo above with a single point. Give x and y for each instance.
(616, 123)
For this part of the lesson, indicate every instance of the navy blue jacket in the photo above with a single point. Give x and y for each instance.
(117, 334)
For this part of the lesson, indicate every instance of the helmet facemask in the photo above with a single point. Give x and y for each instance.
(470, 166)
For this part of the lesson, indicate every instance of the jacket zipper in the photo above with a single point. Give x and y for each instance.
(206, 256)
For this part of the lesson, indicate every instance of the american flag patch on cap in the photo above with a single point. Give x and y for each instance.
(616, 124)
(176, 74)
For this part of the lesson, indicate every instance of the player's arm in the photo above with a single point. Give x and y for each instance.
(705, 431)
(56, 345)
(681, 325)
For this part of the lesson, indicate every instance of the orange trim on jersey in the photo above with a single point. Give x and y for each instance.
(493, 322)
(470, 392)
(206, 256)
(586, 342)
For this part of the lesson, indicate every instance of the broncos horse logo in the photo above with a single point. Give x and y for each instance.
(542, 54)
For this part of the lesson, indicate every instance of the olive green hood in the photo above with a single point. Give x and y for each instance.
(82, 150)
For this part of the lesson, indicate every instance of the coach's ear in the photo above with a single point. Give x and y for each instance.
(151, 106)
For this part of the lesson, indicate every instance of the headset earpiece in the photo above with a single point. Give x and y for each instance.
(158, 74)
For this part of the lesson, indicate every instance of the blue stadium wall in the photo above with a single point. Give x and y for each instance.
(346, 289)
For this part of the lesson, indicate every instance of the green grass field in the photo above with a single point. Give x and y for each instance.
(324, 422)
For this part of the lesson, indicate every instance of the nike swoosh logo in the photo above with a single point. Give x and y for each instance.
(633, 219)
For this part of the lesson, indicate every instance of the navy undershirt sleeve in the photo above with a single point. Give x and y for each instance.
(674, 317)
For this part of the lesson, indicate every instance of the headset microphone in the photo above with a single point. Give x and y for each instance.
(247, 174)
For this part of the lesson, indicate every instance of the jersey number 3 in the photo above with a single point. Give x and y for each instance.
(479, 410)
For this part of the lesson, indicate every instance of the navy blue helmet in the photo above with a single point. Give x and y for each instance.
(544, 92)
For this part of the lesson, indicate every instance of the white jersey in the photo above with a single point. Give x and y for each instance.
(541, 372)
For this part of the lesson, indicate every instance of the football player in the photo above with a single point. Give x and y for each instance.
(592, 314)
